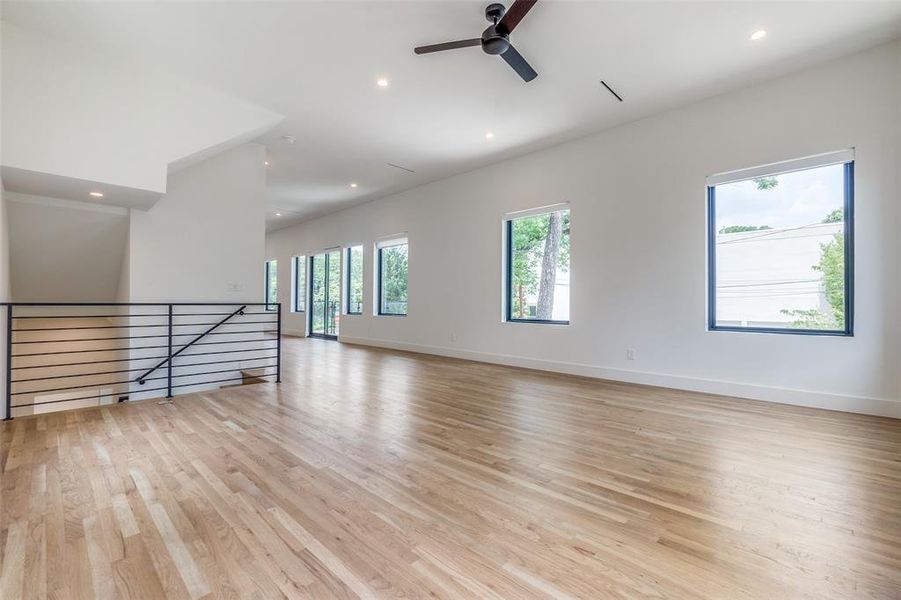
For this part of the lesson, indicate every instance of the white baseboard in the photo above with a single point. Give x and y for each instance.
(882, 407)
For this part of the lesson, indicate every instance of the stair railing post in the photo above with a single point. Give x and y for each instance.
(169, 362)
(9, 362)
(278, 341)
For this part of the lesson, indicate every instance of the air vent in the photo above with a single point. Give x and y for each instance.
(400, 167)
(610, 89)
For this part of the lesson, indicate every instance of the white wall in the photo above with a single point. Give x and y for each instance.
(63, 250)
(123, 292)
(202, 242)
(205, 235)
(4, 291)
(4, 251)
(4, 247)
(627, 187)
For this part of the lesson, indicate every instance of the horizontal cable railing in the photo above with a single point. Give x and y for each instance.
(71, 355)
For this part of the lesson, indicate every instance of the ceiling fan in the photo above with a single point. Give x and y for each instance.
(496, 39)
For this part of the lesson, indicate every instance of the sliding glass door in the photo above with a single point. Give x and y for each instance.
(325, 294)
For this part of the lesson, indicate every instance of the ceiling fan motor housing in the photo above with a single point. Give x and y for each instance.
(494, 42)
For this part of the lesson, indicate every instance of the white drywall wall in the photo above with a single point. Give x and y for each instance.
(4, 292)
(4, 247)
(202, 242)
(123, 293)
(637, 195)
(73, 113)
(64, 251)
(205, 236)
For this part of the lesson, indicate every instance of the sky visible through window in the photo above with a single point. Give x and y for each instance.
(780, 257)
(799, 198)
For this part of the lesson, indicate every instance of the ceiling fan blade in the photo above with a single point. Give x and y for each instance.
(448, 46)
(514, 15)
(519, 64)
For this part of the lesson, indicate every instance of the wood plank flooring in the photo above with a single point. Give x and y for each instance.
(377, 474)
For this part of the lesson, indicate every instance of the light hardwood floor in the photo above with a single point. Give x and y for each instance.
(377, 474)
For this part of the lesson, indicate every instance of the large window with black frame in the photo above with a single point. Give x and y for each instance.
(537, 276)
(324, 314)
(354, 283)
(780, 247)
(271, 281)
(300, 284)
(392, 277)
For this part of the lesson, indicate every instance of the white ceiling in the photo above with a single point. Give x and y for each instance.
(48, 185)
(317, 63)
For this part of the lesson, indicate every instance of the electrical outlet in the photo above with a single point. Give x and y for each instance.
(234, 287)
(453, 337)
(630, 354)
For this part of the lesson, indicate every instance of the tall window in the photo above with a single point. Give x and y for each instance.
(780, 247)
(354, 285)
(300, 281)
(324, 314)
(392, 277)
(271, 284)
(537, 279)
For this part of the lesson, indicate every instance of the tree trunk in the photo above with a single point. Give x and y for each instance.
(549, 266)
(522, 303)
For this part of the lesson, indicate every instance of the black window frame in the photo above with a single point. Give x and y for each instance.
(300, 285)
(347, 302)
(848, 207)
(270, 307)
(326, 254)
(508, 274)
(379, 262)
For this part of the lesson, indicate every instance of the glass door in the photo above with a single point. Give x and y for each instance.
(325, 294)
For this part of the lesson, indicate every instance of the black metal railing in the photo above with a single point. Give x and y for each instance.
(84, 354)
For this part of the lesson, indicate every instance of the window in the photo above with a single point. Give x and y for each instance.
(300, 281)
(392, 277)
(537, 273)
(271, 284)
(324, 316)
(780, 247)
(354, 300)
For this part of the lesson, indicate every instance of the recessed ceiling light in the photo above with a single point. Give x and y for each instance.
(758, 35)
(381, 82)
(353, 185)
(489, 135)
(97, 194)
(266, 163)
(278, 214)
